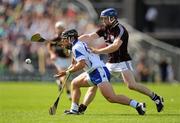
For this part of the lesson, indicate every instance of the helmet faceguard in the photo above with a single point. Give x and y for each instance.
(70, 35)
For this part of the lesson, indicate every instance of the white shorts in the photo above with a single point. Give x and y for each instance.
(98, 75)
(62, 63)
(119, 67)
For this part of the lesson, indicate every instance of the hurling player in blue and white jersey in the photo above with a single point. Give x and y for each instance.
(96, 74)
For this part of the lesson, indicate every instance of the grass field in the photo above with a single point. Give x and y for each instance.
(29, 103)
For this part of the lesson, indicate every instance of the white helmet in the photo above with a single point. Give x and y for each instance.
(60, 24)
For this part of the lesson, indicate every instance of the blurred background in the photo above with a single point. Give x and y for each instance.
(154, 27)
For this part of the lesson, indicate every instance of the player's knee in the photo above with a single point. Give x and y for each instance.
(131, 86)
(110, 99)
(74, 84)
(93, 90)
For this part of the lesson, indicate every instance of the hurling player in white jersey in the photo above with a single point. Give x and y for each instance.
(96, 74)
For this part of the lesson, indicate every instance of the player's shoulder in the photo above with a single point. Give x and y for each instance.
(78, 45)
(122, 27)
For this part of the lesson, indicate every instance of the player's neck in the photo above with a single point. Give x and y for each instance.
(74, 42)
(114, 23)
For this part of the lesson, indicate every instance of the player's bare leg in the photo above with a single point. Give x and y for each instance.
(59, 84)
(68, 92)
(78, 82)
(108, 92)
(89, 96)
(129, 80)
(91, 93)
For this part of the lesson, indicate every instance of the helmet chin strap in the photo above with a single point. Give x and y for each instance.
(111, 21)
(70, 44)
(69, 39)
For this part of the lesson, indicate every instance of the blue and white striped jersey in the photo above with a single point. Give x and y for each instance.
(81, 51)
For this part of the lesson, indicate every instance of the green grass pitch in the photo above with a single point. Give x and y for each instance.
(29, 102)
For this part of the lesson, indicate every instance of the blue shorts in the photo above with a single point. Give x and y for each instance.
(98, 75)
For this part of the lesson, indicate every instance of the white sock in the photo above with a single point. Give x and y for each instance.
(133, 103)
(74, 106)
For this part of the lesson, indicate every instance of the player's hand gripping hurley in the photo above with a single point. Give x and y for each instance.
(52, 109)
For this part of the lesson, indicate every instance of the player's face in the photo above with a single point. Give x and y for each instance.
(105, 20)
(65, 42)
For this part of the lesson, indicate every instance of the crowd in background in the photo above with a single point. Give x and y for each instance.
(20, 19)
(148, 71)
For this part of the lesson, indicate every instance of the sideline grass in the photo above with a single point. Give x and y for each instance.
(29, 103)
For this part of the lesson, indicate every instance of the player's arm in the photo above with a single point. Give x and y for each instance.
(76, 67)
(49, 47)
(88, 37)
(72, 63)
(109, 49)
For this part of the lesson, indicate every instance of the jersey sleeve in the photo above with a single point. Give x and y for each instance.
(119, 32)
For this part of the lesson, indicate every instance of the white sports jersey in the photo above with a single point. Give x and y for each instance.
(95, 69)
(81, 51)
